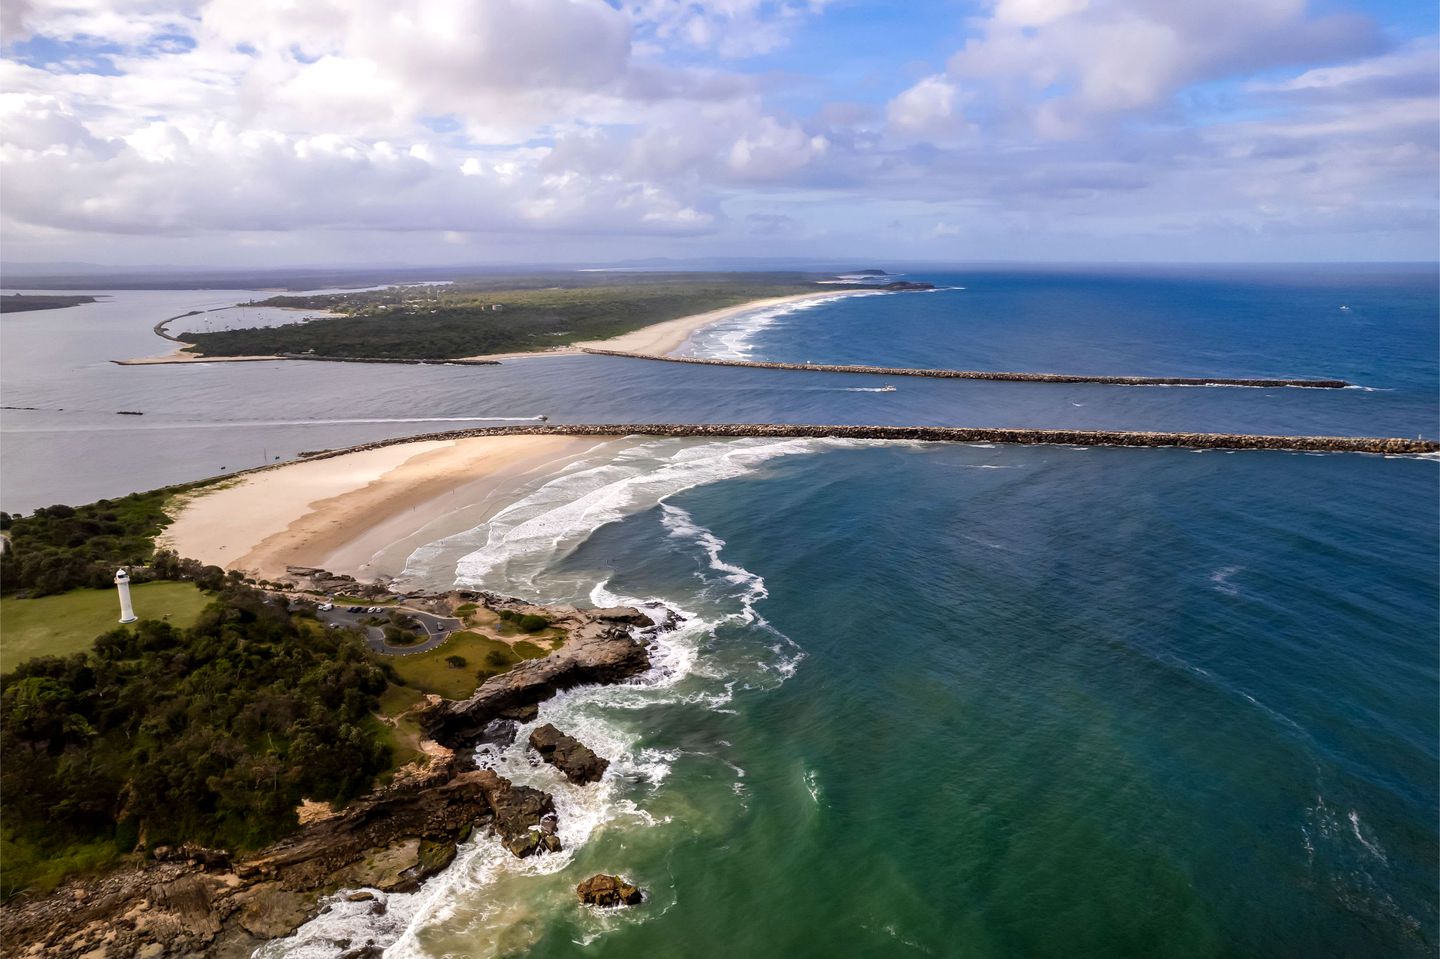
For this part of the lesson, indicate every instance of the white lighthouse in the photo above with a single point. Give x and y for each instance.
(122, 585)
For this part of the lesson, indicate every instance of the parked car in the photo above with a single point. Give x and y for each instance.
(325, 607)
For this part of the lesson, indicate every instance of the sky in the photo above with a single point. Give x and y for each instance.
(256, 133)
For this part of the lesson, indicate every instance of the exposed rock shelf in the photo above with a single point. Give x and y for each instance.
(196, 902)
(599, 650)
(200, 902)
(988, 375)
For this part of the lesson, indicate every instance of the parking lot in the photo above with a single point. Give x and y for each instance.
(436, 629)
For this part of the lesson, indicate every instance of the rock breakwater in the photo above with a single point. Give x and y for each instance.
(989, 375)
(1388, 446)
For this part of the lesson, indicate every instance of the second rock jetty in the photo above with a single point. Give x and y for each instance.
(991, 375)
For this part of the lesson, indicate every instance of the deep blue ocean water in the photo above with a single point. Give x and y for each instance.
(930, 699)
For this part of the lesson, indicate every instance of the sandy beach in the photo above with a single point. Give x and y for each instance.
(662, 339)
(361, 513)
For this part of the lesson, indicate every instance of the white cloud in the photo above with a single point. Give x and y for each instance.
(564, 118)
(288, 115)
(1034, 13)
(1071, 63)
(930, 107)
(772, 149)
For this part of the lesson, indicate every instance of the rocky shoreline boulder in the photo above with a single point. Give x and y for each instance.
(608, 892)
(524, 818)
(196, 902)
(188, 900)
(597, 650)
(573, 758)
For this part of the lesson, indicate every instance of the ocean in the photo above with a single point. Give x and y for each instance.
(945, 700)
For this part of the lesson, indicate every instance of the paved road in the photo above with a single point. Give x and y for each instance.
(437, 628)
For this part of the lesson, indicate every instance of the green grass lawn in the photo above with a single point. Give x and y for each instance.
(69, 622)
(484, 657)
(402, 732)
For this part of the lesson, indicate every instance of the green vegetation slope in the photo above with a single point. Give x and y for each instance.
(211, 734)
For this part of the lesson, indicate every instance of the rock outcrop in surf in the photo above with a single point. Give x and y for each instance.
(597, 651)
(575, 760)
(207, 902)
(608, 892)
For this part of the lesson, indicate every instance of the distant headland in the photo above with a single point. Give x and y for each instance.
(29, 302)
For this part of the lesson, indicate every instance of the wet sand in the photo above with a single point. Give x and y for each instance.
(361, 513)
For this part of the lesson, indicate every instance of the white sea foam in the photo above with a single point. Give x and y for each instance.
(1221, 580)
(519, 542)
(730, 339)
(476, 893)
(1373, 847)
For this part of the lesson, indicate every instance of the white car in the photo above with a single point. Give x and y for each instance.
(325, 607)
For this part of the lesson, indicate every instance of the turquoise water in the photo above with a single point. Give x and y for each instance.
(935, 700)
(988, 702)
(1075, 706)
(1015, 702)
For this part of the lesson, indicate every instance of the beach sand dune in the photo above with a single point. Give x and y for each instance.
(662, 339)
(361, 513)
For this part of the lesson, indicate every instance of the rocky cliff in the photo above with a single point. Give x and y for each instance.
(199, 902)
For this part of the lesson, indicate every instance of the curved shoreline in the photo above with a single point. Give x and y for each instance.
(657, 338)
(986, 374)
(659, 341)
(362, 510)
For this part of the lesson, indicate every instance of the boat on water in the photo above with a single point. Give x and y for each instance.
(886, 389)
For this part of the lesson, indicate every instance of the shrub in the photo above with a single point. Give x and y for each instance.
(396, 636)
(209, 735)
